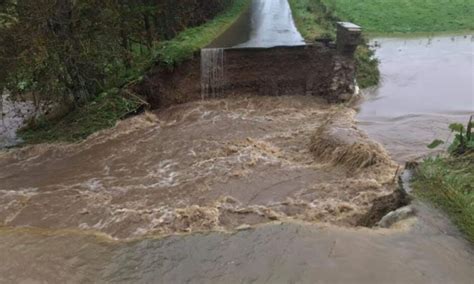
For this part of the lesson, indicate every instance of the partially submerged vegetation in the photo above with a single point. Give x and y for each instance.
(86, 66)
(448, 181)
(101, 112)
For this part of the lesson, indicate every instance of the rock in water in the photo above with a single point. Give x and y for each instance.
(396, 216)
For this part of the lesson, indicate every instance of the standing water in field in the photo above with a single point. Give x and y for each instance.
(212, 72)
(427, 83)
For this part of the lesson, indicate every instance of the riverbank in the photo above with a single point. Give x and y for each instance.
(117, 102)
(448, 182)
(410, 109)
(317, 18)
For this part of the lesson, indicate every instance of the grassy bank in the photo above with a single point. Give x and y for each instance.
(314, 19)
(104, 110)
(448, 182)
(413, 16)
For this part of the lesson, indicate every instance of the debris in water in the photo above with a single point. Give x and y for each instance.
(395, 216)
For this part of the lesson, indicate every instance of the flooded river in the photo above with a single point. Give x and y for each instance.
(238, 190)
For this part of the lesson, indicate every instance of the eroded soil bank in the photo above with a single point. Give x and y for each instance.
(210, 165)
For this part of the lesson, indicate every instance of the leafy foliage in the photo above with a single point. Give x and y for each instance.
(117, 44)
(449, 181)
(435, 143)
(64, 49)
(463, 140)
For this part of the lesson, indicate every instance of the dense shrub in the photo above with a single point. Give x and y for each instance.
(74, 49)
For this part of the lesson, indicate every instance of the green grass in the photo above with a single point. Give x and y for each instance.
(104, 111)
(368, 73)
(406, 16)
(314, 20)
(186, 44)
(309, 18)
(448, 182)
(192, 40)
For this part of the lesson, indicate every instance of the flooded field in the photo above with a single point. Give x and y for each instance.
(427, 83)
(241, 190)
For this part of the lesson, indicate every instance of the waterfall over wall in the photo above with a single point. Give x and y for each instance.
(212, 72)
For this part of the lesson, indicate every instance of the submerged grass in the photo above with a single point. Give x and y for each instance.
(104, 111)
(448, 182)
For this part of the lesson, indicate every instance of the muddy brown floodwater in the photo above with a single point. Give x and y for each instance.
(210, 165)
(236, 190)
(427, 83)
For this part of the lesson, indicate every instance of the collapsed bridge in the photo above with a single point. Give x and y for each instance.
(320, 69)
(262, 53)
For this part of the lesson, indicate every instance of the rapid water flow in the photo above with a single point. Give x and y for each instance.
(234, 184)
(212, 72)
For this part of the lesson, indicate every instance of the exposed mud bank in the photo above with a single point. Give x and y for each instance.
(314, 70)
(211, 165)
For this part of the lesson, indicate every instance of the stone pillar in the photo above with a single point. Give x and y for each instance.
(349, 36)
